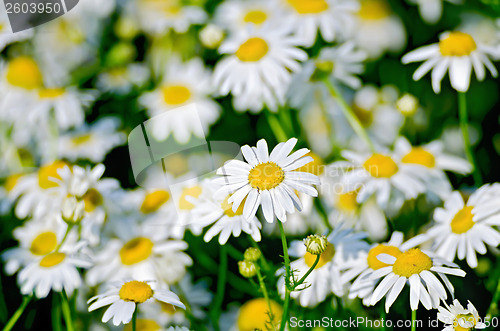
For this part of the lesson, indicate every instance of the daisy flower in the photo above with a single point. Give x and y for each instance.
(122, 80)
(182, 84)
(124, 296)
(257, 68)
(456, 317)
(456, 52)
(343, 244)
(333, 18)
(419, 269)
(267, 179)
(431, 10)
(236, 14)
(463, 228)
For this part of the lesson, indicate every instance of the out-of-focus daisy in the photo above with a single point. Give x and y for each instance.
(334, 19)
(343, 244)
(252, 315)
(378, 29)
(268, 180)
(257, 68)
(456, 52)
(182, 84)
(460, 229)
(91, 142)
(236, 14)
(431, 10)
(122, 80)
(456, 317)
(417, 268)
(124, 296)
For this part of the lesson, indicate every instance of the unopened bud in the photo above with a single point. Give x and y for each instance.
(211, 36)
(72, 210)
(252, 254)
(407, 104)
(315, 244)
(247, 268)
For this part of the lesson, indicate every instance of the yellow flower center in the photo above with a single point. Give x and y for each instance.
(462, 221)
(309, 6)
(24, 72)
(1, 27)
(143, 324)
(254, 315)
(316, 167)
(381, 166)
(81, 139)
(266, 176)
(255, 16)
(418, 155)
(365, 116)
(136, 250)
(347, 202)
(52, 259)
(227, 207)
(49, 171)
(324, 258)
(374, 10)
(44, 243)
(175, 94)
(457, 44)
(463, 319)
(411, 262)
(252, 50)
(136, 291)
(194, 191)
(50, 93)
(11, 181)
(92, 200)
(154, 200)
(375, 263)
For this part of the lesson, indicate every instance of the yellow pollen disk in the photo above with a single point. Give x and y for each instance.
(49, 171)
(174, 95)
(266, 176)
(50, 93)
(372, 10)
(143, 324)
(381, 166)
(194, 191)
(227, 207)
(154, 200)
(316, 167)
(52, 259)
(418, 155)
(81, 139)
(325, 257)
(256, 17)
(375, 263)
(24, 72)
(11, 181)
(44, 243)
(347, 202)
(136, 291)
(252, 50)
(411, 262)
(305, 7)
(462, 221)
(254, 315)
(92, 200)
(457, 44)
(136, 250)
(462, 319)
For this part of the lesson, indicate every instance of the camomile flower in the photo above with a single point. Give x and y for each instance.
(463, 228)
(7, 37)
(124, 296)
(378, 29)
(91, 142)
(456, 52)
(343, 244)
(334, 19)
(252, 315)
(431, 10)
(236, 14)
(122, 80)
(267, 179)
(215, 211)
(256, 69)
(418, 269)
(456, 317)
(182, 84)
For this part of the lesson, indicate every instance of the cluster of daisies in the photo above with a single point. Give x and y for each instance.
(171, 73)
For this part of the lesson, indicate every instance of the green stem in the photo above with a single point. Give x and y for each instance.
(64, 238)
(276, 127)
(3, 305)
(464, 125)
(349, 114)
(307, 273)
(56, 314)
(284, 318)
(134, 319)
(10, 324)
(266, 296)
(221, 285)
(66, 310)
(413, 320)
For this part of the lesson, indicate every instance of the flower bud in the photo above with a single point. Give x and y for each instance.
(247, 268)
(72, 210)
(252, 254)
(211, 36)
(407, 104)
(315, 244)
